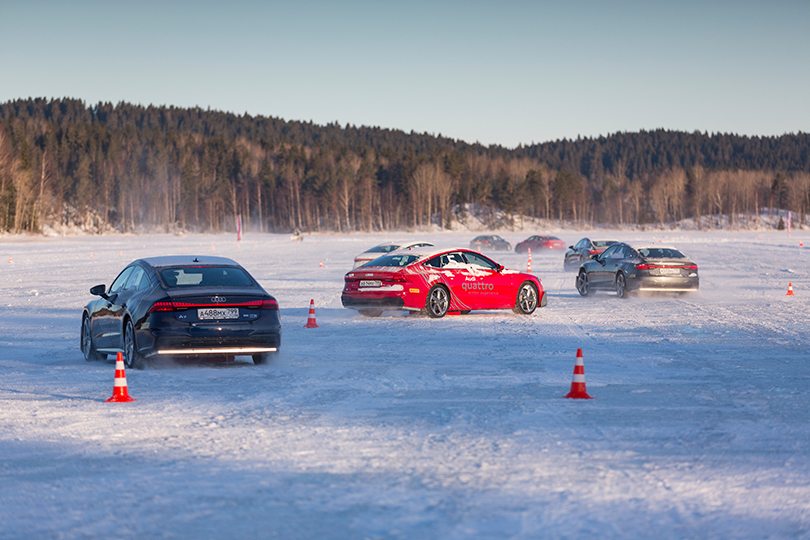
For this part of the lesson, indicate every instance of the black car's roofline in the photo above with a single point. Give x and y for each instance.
(187, 260)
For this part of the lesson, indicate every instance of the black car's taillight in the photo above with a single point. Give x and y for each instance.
(162, 305)
(169, 305)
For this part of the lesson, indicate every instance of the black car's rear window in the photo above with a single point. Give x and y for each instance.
(660, 253)
(205, 276)
(603, 243)
(393, 260)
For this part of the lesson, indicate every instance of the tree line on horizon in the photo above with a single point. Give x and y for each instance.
(129, 168)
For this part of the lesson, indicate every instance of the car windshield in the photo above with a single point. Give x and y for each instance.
(393, 260)
(205, 276)
(383, 249)
(660, 253)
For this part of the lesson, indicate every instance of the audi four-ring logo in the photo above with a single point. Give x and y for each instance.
(477, 286)
(218, 299)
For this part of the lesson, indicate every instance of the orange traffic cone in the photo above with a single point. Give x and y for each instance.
(320, 265)
(790, 290)
(578, 384)
(311, 320)
(529, 264)
(120, 393)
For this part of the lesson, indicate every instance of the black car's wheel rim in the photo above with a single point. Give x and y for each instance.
(87, 342)
(129, 345)
(438, 302)
(527, 298)
(621, 286)
(582, 283)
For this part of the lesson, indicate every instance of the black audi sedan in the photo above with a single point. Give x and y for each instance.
(491, 242)
(584, 250)
(181, 306)
(624, 269)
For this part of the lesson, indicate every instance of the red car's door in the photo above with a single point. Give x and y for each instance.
(453, 271)
(486, 285)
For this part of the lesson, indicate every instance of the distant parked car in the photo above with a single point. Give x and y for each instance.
(181, 306)
(386, 247)
(584, 250)
(491, 242)
(624, 268)
(437, 282)
(539, 242)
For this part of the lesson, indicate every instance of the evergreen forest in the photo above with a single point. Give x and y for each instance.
(131, 168)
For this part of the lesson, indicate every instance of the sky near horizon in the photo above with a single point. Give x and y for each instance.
(505, 73)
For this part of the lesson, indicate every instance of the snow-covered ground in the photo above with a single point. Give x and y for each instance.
(408, 427)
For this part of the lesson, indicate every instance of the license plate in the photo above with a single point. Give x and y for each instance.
(370, 283)
(670, 271)
(217, 313)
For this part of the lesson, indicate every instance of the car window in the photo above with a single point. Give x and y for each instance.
(435, 262)
(581, 244)
(617, 253)
(387, 248)
(447, 260)
(479, 261)
(206, 276)
(609, 253)
(603, 243)
(392, 260)
(453, 260)
(119, 282)
(134, 278)
(661, 253)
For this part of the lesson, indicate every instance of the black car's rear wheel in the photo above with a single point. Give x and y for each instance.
(526, 301)
(438, 302)
(621, 285)
(132, 358)
(583, 284)
(89, 351)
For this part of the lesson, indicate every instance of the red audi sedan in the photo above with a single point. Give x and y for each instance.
(438, 282)
(539, 242)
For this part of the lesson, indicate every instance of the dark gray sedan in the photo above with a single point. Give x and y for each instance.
(624, 269)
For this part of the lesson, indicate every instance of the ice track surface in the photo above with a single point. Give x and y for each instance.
(408, 427)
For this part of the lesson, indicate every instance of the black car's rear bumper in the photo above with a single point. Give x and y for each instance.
(209, 339)
(663, 284)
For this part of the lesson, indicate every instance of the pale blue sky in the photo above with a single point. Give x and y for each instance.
(494, 72)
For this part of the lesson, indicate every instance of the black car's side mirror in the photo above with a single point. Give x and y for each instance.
(570, 247)
(99, 290)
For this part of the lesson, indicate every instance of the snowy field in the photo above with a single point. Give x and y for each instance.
(413, 428)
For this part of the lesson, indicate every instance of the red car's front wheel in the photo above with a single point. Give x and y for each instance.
(527, 299)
